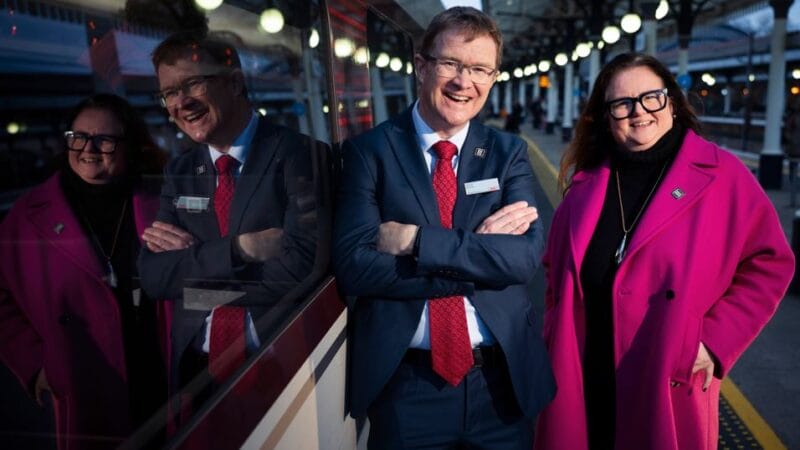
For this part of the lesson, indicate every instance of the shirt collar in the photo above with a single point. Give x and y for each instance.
(241, 145)
(426, 136)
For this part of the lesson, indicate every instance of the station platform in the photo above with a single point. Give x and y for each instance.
(760, 403)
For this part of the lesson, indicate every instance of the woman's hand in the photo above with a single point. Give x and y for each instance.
(41, 388)
(705, 363)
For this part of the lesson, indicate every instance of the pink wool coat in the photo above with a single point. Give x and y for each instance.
(57, 313)
(708, 263)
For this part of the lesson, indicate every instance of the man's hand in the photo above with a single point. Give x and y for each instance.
(41, 388)
(163, 237)
(259, 246)
(514, 219)
(396, 238)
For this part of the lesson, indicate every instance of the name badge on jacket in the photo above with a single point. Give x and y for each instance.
(482, 186)
(192, 204)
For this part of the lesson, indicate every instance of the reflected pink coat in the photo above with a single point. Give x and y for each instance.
(57, 313)
(708, 263)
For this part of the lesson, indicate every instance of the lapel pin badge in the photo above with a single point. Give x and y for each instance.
(677, 193)
(58, 228)
(479, 152)
(199, 170)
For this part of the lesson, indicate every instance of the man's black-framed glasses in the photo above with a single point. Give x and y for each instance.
(449, 68)
(193, 87)
(651, 101)
(103, 143)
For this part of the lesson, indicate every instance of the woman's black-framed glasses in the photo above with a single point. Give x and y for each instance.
(448, 68)
(193, 87)
(651, 101)
(103, 143)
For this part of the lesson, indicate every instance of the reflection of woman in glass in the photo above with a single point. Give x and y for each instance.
(664, 261)
(71, 321)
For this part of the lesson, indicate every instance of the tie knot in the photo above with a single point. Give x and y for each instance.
(225, 163)
(445, 150)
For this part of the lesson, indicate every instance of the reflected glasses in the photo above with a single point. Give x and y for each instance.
(104, 143)
(651, 101)
(191, 87)
(448, 68)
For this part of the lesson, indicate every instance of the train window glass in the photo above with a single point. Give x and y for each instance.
(85, 318)
(391, 67)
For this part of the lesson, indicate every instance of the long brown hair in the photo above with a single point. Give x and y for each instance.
(593, 140)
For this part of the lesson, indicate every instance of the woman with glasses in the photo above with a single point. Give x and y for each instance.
(73, 327)
(664, 261)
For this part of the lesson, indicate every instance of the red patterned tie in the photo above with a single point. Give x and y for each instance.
(227, 346)
(223, 195)
(451, 351)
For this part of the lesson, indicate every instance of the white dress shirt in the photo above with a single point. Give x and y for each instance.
(479, 333)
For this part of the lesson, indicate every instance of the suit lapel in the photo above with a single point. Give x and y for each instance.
(50, 215)
(402, 139)
(471, 168)
(262, 151)
(203, 182)
(685, 182)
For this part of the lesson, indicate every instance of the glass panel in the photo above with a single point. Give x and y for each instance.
(81, 320)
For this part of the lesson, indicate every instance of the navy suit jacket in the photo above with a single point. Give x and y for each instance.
(276, 189)
(385, 178)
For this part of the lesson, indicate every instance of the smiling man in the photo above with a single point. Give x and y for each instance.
(436, 236)
(241, 207)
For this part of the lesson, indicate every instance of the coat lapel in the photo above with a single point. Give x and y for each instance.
(402, 139)
(685, 182)
(52, 218)
(589, 190)
(471, 168)
(262, 152)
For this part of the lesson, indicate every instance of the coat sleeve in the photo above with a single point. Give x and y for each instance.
(163, 274)
(21, 348)
(361, 269)
(764, 270)
(301, 192)
(496, 260)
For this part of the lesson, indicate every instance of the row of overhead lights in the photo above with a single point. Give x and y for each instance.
(630, 23)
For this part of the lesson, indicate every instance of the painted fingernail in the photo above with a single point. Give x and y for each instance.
(705, 389)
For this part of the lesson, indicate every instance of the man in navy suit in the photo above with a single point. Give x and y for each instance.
(436, 235)
(241, 207)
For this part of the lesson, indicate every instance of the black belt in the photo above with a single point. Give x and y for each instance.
(483, 356)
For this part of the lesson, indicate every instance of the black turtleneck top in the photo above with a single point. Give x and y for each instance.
(638, 176)
(99, 209)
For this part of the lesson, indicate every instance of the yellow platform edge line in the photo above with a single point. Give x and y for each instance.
(758, 427)
(544, 170)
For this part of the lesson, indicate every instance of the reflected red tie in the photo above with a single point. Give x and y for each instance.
(223, 195)
(227, 346)
(451, 351)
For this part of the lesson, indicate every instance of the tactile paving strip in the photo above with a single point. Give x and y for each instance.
(733, 434)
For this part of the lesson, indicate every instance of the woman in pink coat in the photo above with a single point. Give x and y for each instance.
(71, 322)
(664, 261)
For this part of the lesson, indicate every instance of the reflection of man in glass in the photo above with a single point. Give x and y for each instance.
(239, 207)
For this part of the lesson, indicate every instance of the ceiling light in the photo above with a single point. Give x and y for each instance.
(271, 20)
(631, 23)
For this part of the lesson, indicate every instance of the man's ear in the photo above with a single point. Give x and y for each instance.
(420, 68)
(237, 81)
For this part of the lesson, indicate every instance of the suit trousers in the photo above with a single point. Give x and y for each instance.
(417, 409)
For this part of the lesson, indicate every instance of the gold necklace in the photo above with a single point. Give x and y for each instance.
(620, 253)
(111, 279)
